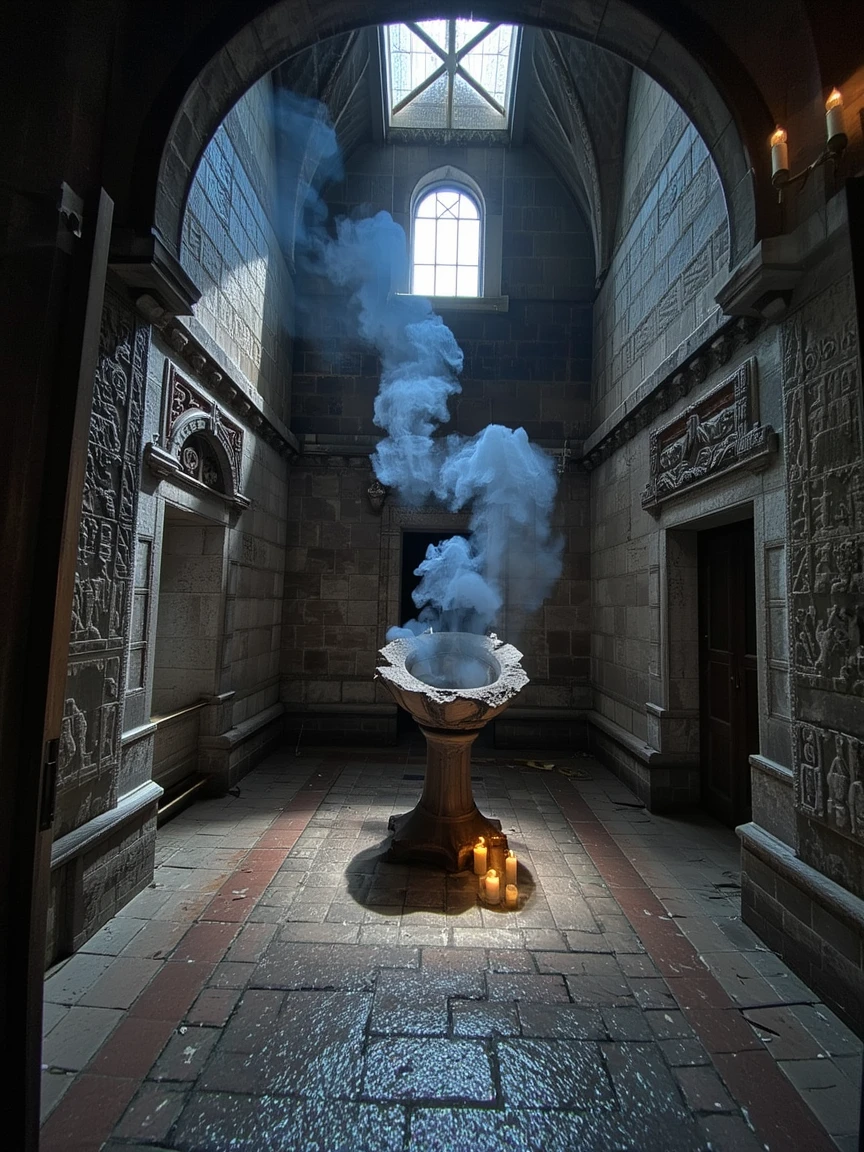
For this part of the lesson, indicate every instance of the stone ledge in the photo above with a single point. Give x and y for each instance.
(781, 859)
(81, 839)
(772, 768)
(651, 757)
(243, 731)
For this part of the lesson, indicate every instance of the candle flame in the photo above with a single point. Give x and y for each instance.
(511, 854)
(491, 874)
(481, 842)
(835, 100)
(778, 136)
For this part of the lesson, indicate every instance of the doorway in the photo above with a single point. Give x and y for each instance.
(414, 547)
(728, 686)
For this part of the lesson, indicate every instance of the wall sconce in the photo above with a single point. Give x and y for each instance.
(834, 148)
(376, 494)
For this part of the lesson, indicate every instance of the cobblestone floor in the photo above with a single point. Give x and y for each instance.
(280, 987)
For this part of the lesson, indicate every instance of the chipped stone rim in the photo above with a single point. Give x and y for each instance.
(511, 680)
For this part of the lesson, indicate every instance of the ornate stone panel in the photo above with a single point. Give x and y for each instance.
(189, 413)
(90, 733)
(710, 437)
(825, 501)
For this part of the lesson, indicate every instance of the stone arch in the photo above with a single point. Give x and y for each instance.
(729, 112)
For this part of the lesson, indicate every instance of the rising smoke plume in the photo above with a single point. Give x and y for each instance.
(512, 559)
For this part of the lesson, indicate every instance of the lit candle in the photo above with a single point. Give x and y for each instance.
(834, 124)
(511, 896)
(779, 156)
(480, 853)
(493, 887)
(510, 866)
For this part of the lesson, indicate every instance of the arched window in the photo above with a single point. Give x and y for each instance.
(446, 244)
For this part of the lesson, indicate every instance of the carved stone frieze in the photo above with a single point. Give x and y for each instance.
(709, 438)
(90, 732)
(829, 778)
(825, 525)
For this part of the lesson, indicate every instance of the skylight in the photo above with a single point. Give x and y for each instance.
(451, 74)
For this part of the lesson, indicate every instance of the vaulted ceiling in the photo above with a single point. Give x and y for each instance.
(571, 105)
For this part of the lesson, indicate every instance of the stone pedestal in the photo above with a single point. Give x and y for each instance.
(445, 824)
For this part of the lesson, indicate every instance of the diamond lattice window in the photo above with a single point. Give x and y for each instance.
(450, 74)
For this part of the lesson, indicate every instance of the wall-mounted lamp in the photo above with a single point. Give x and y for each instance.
(834, 149)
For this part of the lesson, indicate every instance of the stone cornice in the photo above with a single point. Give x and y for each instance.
(209, 364)
(676, 377)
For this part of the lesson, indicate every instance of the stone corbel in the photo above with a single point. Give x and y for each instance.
(160, 462)
(762, 284)
(155, 279)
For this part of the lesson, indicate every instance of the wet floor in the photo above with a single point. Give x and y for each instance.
(280, 986)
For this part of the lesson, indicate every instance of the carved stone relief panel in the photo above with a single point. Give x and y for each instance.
(710, 437)
(825, 502)
(191, 419)
(91, 728)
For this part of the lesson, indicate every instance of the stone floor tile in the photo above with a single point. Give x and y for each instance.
(626, 1024)
(156, 939)
(683, 1053)
(643, 1083)
(87, 1114)
(470, 1018)
(531, 989)
(152, 1113)
(230, 974)
(729, 1134)
(703, 1089)
(405, 1004)
(114, 937)
(54, 1086)
(466, 1128)
(121, 983)
(52, 1014)
(222, 1120)
(827, 1029)
(428, 1069)
(214, 1006)
(81, 1033)
(561, 1022)
(185, 1054)
(74, 977)
(553, 1074)
(831, 1096)
(784, 1033)
(509, 960)
(600, 990)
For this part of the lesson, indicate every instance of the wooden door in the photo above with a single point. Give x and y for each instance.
(729, 707)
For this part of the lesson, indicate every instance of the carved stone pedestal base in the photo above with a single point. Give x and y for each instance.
(446, 824)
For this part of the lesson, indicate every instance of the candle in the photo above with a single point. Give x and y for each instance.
(779, 156)
(480, 853)
(511, 896)
(510, 865)
(834, 124)
(482, 886)
(493, 887)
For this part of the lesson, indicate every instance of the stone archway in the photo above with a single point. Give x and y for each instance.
(731, 121)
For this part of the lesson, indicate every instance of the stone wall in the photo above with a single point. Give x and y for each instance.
(231, 247)
(670, 256)
(527, 360)
(221, 378)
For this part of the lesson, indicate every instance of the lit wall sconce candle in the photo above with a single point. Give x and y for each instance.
(510, 866)
(511, 896)
(779, 156)
(480, 854)
(493, 887)
(834, 124)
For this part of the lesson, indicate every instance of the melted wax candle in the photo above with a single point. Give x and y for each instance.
(493, 887)
(511, 896)
(480, 854)
(510, 866)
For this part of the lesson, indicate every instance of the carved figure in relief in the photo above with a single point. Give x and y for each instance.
(848, 574)
(838, 785)
(835, 638)
(73, 737)
(798, 513)
(807, 649)
(811, 771)
(856, 808)
(824, 568)
(800, 570)
(797, 439)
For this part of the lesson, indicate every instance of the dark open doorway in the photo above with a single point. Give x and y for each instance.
(414, 546)
(728, 686)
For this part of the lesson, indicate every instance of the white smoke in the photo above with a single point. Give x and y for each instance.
(512, 559)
